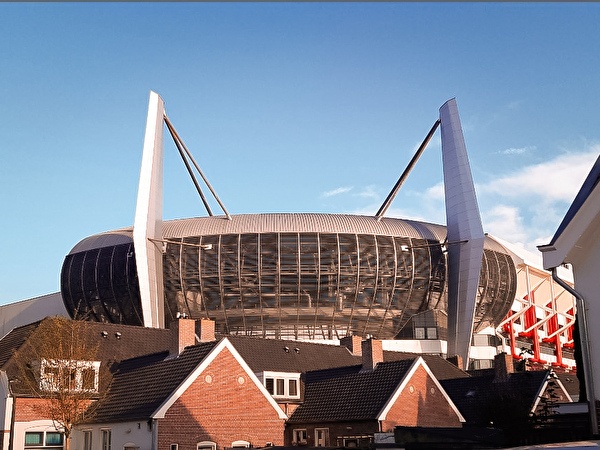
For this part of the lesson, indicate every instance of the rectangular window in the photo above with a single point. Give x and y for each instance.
(106, 439)
(88, 379)
(293, 386)
(431, 333)
(34, 438)
(174, 446)
(322, 437)
(58, 375)
(269, 384)
(419, 333)
(280, 387)
(87, 440)
(300, 435)
(54, 439)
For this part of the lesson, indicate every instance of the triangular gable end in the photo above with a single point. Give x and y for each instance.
(194, 374)
(543, 389)
(418, 362)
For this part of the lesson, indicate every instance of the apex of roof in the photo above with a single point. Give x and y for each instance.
(349, 393)
(141, 386)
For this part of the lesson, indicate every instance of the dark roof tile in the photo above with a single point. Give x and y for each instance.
(349, 393)
(137, 390)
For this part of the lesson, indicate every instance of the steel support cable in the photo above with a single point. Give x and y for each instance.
(390, 198)
(181, 147)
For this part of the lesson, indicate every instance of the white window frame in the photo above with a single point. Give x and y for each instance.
(296, 433)
(51, 378)
(325, 431)
(87, 439)
(279, 378)
(240, 444)
(106, 443)
(44, 444)
(206, 445)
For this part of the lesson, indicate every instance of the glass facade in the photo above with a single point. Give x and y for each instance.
(101, 284)
(293, 285)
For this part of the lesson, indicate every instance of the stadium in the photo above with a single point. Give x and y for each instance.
(322, 276)
(287, 275)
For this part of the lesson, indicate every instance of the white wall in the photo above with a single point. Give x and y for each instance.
(136, 434)
(35, 425)
(6, 404)
(588, 285)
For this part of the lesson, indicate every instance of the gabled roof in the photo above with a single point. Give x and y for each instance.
(277, 355)
(113, 342)
(441, 368)
(141, 386)
(474, 396)
(14, 340)
(349, 393)
(291, 356)
(146, 387)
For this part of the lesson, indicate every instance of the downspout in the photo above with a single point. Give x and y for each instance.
(585, 349)
(153, 423)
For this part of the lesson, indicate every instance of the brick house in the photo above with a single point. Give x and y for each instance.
(205, 397)
(164, 390)
(346, 406)
(23, 415)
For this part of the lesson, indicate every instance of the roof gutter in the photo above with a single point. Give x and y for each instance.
(585, 349)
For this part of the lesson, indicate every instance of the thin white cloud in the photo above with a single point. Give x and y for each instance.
(558, 179)
(505, 222)
(517, 150)
(435, 192)
(369, 192)
(337, 191)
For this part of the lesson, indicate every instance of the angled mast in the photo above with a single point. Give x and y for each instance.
(464, 228)
(147, 226)
(463, 224)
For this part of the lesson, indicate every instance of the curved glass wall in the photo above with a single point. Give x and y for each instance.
(319, 285)
(101, 284)
(287, 285)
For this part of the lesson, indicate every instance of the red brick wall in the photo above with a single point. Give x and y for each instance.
(223, 405)
(28, 409)
(425, 406)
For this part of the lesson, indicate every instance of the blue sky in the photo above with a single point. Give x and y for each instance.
(287, 107)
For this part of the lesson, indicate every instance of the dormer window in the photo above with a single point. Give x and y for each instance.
(68, 375)
(281, 384)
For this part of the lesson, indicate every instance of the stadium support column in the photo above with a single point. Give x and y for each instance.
(465, 234)
(147, 225)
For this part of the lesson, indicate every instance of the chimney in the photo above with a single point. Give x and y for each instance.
(206, 330)
(183, 334)
(372, 353)
(503, 366)
(352, 343)
(456, 360)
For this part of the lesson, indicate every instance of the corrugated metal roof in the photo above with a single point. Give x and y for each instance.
(280, 223)
(299, 222)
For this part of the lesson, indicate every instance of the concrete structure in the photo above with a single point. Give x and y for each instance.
(31, 310)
